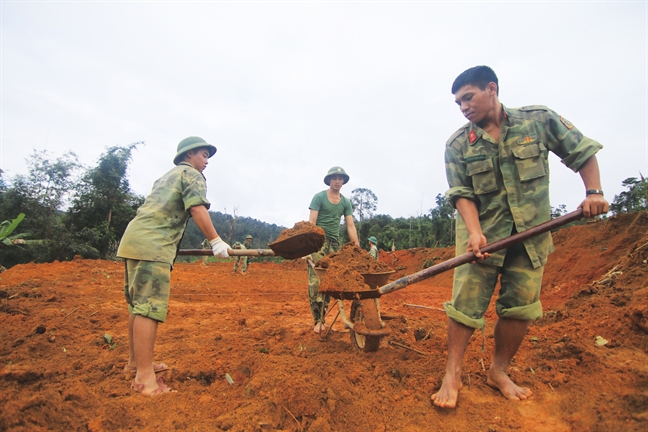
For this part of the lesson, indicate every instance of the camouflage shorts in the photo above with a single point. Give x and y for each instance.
(146, 288)
(518, 298)
(318, 302)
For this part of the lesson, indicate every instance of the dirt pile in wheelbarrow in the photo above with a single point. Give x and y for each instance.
(344, 269)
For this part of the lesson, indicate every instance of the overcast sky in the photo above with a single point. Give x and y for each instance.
(285, 90)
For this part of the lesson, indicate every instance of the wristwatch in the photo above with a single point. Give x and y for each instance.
(594, 192)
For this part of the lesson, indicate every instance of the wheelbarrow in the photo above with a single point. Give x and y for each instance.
(366, 326)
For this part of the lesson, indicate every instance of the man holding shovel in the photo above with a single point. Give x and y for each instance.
(149, 248)
(497, 170)
(326, 209)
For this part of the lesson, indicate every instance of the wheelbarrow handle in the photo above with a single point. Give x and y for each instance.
(470, 256)
(230, 252)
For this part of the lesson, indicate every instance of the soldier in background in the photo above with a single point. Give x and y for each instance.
(205, 245)
(242, 260)
(498, 172)
(149, 247)
(373, 248)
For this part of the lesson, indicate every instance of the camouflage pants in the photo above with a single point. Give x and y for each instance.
(474, 285)
(146, 288)
(243, 261)
(318, 302)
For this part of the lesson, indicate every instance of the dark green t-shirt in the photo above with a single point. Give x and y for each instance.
(328, 216)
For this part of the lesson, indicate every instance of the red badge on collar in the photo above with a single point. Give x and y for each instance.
(472, 137)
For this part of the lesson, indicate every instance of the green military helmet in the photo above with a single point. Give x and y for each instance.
(373, 240)
(191, 143)
(248, 237)
(336, 170)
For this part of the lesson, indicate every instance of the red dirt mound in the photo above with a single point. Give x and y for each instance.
(60, 372)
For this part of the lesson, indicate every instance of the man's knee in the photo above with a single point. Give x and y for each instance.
(462, 318)
(528, 312)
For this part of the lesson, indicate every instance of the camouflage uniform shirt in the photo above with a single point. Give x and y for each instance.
(509, 180)
(373, 251)
(155, 232)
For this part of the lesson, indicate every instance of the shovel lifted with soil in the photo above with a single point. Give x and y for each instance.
(302, 239)
(366, 325)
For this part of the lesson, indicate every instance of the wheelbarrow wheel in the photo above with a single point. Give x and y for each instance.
(365, 313)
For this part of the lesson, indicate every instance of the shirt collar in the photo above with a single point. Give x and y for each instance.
(506, 114)
(185, 163)
(475, 132)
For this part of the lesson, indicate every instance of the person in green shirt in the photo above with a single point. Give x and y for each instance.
(373, 249)
(498, 172)
(326, 209)
(149, 247)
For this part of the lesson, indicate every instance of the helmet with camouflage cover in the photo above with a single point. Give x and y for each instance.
(248, 237)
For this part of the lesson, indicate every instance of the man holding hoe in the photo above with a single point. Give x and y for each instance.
(149, 248)
(498, 173)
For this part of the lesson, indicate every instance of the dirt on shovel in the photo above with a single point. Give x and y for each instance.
(302, 239)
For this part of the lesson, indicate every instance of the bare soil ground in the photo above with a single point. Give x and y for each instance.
(57, 371)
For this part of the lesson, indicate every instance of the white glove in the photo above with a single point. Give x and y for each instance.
(219, 247)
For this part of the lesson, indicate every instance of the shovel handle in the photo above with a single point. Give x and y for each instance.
(230, 252)
(470, 256)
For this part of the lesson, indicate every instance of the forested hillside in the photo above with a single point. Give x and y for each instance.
(61, 209)
(233, 229)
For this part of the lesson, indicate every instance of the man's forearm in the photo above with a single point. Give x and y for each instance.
(203, 221)
(590, 174)
(469, 213)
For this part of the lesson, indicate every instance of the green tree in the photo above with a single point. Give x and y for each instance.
(442, 219)
(556, 212)
(3, 185)
(634, 199)
(365, 203)
(42, 193)
(104, 203)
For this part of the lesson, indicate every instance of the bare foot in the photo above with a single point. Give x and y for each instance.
(500, 380)
(144, 389)
(446, 397)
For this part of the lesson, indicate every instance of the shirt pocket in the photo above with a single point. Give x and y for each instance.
(175, 220)
(483, 176)
(530, 161)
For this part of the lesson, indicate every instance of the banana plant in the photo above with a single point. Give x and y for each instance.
(8, 227)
